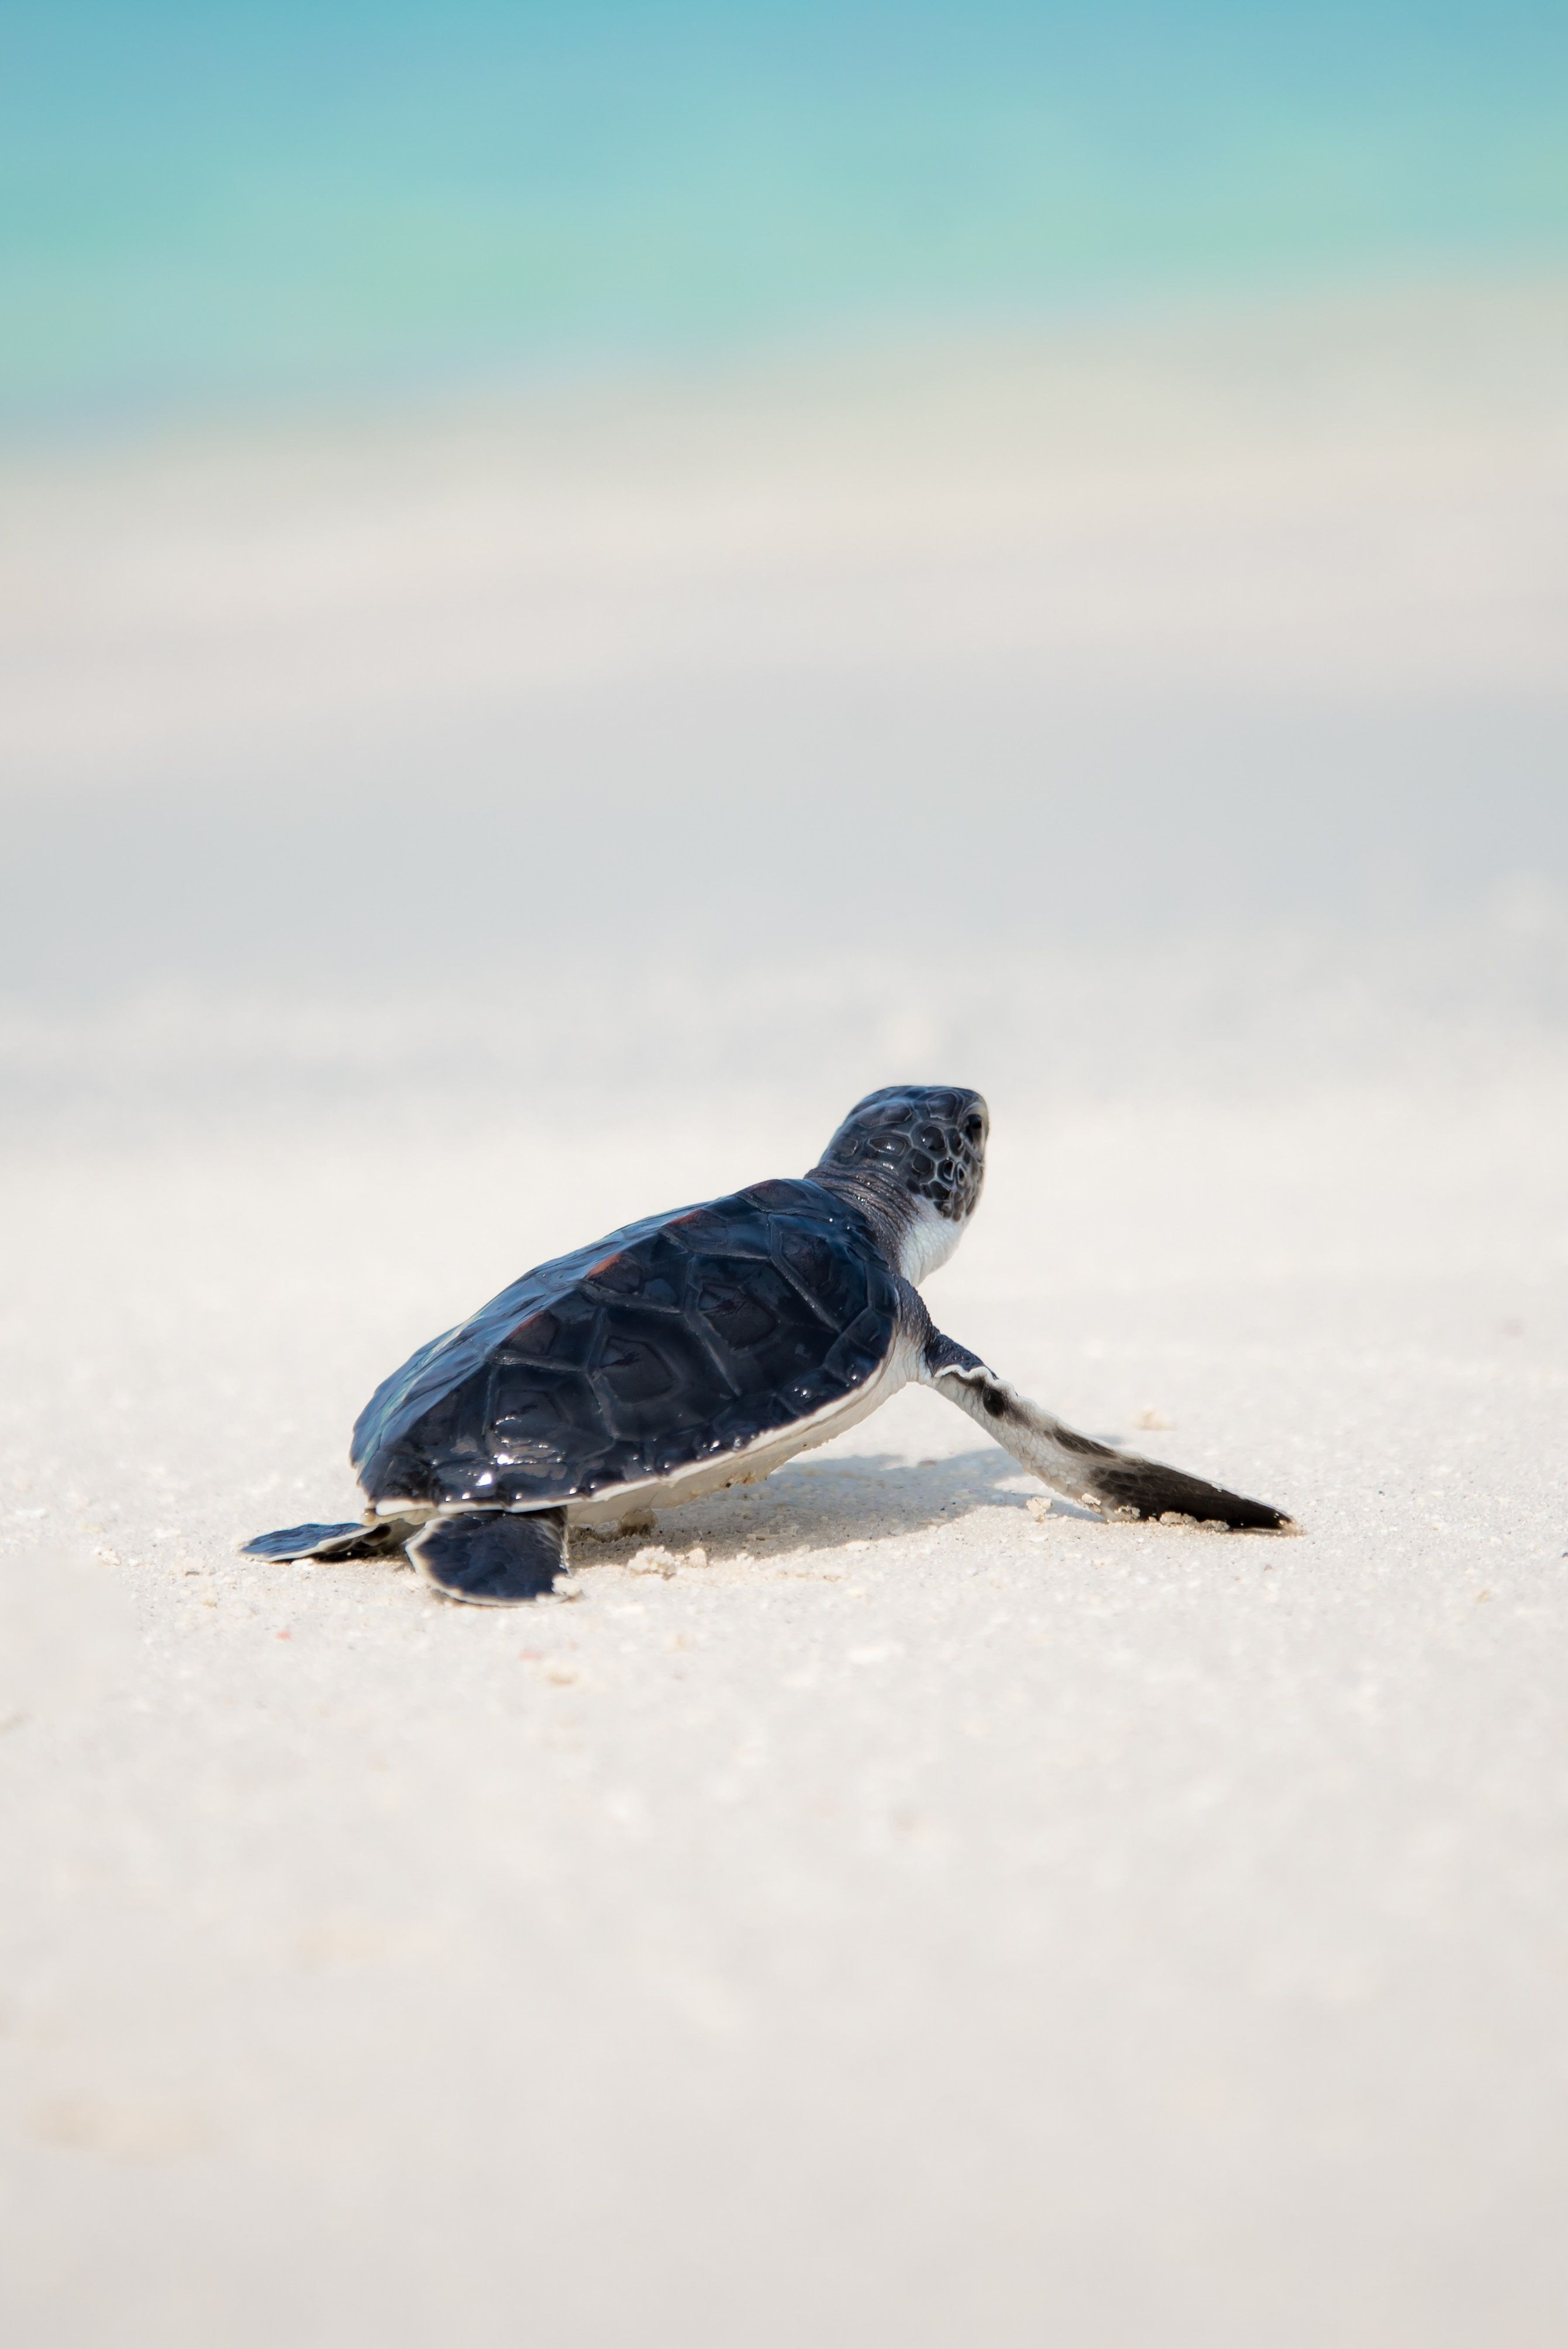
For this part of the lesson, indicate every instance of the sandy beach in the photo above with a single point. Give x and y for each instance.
(929, 1919)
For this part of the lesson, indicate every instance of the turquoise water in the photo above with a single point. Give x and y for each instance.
(223, 203)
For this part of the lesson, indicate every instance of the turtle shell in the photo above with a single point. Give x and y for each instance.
(671, 1342)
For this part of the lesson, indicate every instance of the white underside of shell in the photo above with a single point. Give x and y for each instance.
(904, 1362)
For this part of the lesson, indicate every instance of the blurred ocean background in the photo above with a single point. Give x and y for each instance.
(211, 202)
(638, 541)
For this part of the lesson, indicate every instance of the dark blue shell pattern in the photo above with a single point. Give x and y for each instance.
(668, 1343)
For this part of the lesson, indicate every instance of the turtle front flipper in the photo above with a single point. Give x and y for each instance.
(1095, 1475)
(492, 1557)
(329, 1541)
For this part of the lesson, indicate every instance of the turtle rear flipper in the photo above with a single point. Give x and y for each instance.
(492, 1557)
(329, 1541)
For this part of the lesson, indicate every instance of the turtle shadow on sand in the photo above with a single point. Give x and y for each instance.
(816, 1507)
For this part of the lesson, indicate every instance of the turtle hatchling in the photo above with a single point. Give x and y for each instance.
(704, 1347)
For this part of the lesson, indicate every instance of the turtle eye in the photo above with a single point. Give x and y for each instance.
(972, 1125)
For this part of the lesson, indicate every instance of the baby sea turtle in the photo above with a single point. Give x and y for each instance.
(704, 1347)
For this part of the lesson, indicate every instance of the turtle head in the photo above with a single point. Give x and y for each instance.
(912, 1158)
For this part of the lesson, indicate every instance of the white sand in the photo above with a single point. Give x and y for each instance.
(1366, 495)
(923, 1923)
(926, 1923)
